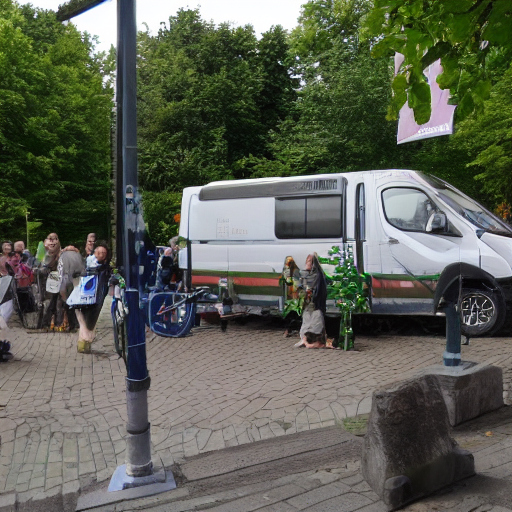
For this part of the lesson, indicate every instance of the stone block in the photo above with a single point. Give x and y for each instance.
(408, 452)
(469, 390)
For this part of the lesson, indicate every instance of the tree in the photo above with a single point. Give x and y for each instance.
(278, 91)
(325, 23)
(487, 138)
(162, 213)
(473, 39)
(54, 126)
(197, 107)
(341, 121)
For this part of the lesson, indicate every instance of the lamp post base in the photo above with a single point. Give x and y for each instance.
(128, 488)
(121, 480)
(451, 358)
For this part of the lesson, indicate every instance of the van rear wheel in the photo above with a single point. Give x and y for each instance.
(482, 312)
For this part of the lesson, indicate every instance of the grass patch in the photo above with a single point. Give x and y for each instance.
(356, 425)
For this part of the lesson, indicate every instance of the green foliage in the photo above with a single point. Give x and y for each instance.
(294, 305)
(323, 24)
(473, 39)
(487, 138)
(477, 159)
(346, 285)
(54, 127)
(340, 122)
(277, 93)
(160, 210)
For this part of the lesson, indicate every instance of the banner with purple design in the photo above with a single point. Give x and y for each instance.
(441, 118)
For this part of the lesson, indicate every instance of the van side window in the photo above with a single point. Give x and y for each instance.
(311, 217)
(407, 208)
(290, 218)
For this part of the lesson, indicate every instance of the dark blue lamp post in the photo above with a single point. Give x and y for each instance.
(138, 469)
(130, 235)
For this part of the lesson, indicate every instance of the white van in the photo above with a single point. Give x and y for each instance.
(417, 238)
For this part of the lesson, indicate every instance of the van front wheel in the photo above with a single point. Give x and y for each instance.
(482, 312)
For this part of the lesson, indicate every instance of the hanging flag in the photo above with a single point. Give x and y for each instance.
(441, 117)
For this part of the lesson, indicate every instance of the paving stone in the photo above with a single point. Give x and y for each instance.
(38, 470)
(378, 506)
(86, 467)
(318, 495)
(215, 442)
(244, 438)
(353, 479)
(258, 500)
(53, 483)
(260, 422)
(53, 469)
(281, 506)
(347, 502)
(23, 477)
(324, 477)
(266, 432)
(190, 448)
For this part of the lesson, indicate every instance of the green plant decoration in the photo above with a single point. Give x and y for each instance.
(348, 288)
(296, 303)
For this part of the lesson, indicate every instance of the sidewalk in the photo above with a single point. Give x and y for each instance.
(319, 471)
(63, 418)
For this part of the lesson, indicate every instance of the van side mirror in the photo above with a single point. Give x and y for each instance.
(436, 223)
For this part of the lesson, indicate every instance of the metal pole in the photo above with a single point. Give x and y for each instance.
(451, 356)
(129, 243)
(132, 255)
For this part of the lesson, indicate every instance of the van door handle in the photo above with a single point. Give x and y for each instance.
(393, 241)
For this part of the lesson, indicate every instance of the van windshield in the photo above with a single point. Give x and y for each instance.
(468, 208)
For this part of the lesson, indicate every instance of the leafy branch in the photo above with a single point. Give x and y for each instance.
(471, 37)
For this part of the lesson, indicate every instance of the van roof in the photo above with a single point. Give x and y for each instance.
(271, 179)
(333, 183)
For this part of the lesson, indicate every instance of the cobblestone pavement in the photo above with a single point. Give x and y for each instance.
(63, 414)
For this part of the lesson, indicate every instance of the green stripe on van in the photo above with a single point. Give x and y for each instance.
(406, 277)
